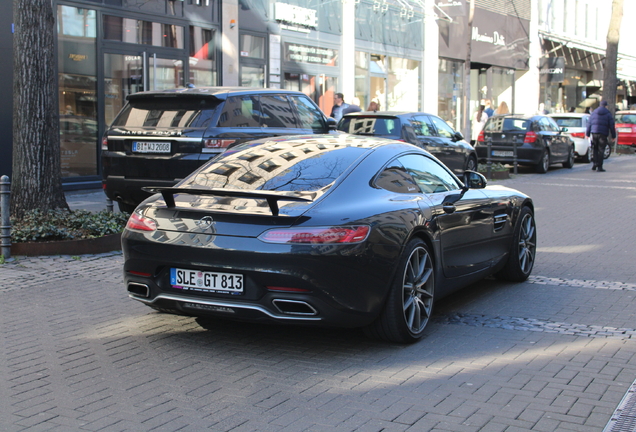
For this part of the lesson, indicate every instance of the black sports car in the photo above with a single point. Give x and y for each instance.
(342, 231)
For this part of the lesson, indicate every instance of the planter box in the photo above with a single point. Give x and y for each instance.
(69, 247)
(497, 175)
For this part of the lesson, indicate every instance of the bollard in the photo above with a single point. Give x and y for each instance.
(489, 158)
(109, 205)
(5, 221)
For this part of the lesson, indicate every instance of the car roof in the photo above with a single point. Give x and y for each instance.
(212, 92)
(626, 112)
(571, 115)
(329, 140)
(386, 114)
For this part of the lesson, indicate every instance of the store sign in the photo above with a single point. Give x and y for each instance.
(552, 69)
(452, 8)
(310, 54)
(295, 15)
(494, 38)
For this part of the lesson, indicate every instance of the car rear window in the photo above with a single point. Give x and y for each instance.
(168, 112)
(568, 121)
(506, 124)
(295, 166)
(626, 118)
(371, 126)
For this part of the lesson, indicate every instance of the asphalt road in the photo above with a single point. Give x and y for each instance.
(555, 353)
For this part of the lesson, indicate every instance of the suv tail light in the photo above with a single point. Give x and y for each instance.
(530, 138)
(104, 144)
(481, 137)
(210, 145)
(578, 134)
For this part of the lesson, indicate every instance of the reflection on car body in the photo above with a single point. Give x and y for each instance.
(325, 230)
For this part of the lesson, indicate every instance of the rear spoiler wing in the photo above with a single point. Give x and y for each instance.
(272, 198)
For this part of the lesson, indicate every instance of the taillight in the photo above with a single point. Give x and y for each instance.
(481, 137)
(104, 144)
(287, 289)
(530, 138)
(317, 235)
(141, 223)
(138, 273)
(212, 145)
(578, 134)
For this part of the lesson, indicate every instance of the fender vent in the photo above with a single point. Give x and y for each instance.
(500, 221)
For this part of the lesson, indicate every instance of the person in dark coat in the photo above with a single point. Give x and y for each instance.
(600, 126)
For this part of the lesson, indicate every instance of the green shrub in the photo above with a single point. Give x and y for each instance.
(53, 225)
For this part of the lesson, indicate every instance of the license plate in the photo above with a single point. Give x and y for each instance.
(624, 129)
(499, 153)
(195, 280)
(150, 147)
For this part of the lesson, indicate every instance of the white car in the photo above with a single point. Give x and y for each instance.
(576, 124)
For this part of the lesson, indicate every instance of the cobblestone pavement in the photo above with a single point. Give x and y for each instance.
(555, 353)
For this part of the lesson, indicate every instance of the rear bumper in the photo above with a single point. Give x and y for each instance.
(526, 153)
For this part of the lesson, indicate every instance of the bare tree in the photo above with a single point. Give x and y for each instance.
(610, 81)
(37, 180)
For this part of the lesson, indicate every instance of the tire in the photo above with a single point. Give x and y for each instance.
(410, 300)
(587, 158)
(569, 163)
(544, 162)
(471, 164)
(523, 249)
(126, 208)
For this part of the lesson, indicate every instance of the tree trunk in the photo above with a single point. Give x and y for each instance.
(466, 99)
(36, 182)
(610, 81)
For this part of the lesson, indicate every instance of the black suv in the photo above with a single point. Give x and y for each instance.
(160, 137)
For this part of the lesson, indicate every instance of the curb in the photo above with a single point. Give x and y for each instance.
(69, 247)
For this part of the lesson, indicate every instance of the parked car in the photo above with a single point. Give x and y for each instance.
(626, 128)
(540, 142)
(424, 130)
(160, 137)
(344, 231)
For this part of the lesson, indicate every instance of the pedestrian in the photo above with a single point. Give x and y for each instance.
(340, 105)
(488, 108)
(374, 105)
(600, 126)
(502, 109)
(354, 106)
(479, 120)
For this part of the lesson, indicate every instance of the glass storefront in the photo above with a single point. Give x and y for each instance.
(202, 60)
(451, 92)
(393, 81)
(77, 86)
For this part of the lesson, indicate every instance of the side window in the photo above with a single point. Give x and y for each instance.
(309, 114)
(443, 129)
(553, 125)
(394, 178)
(276, 112)
(422, 126)
(429, 176)
(239, 111)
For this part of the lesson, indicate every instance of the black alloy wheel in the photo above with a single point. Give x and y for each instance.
(471, 164)
(569, 163)
(410, 300)
(523, 249)
(544, 162)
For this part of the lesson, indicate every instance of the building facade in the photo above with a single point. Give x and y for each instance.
(405, 54)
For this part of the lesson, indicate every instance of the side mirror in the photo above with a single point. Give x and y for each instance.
(332, 123)
(563, 129)
(458, 136)
(474, 180)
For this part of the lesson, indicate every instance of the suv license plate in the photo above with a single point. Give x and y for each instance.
(499, 153)
(150, 147)
(625, 129)
(196, 280)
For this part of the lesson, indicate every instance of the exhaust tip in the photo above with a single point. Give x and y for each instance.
(294, 307)
(139, 290)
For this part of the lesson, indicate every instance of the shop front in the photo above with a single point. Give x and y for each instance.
(499, 46)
